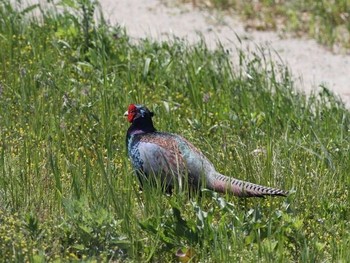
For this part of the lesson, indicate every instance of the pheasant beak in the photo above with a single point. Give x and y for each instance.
(129, 115)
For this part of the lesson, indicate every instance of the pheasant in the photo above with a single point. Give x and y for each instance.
(174, 161)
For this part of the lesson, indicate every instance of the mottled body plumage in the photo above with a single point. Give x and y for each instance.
(176, 162)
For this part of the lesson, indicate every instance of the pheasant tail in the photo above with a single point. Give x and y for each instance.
(222, 183)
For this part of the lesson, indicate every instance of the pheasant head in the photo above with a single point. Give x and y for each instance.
(140, 118)
(136, 111)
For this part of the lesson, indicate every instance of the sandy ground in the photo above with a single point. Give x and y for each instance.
(311, 64)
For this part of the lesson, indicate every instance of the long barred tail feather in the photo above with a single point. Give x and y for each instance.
(222, 183)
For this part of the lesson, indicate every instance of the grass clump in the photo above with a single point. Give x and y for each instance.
(326, 21)
(67, 191)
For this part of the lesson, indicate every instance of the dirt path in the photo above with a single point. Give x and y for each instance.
(311, 64)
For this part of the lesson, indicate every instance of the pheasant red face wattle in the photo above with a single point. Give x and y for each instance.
(131, 113)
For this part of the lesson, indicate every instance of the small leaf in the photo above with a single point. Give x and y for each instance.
(68, 3)
(146, 67)
(250, 238)
(86, 229)
(320, 246)
(269, 245)
(78, 246)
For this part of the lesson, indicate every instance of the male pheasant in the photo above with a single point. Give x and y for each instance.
(171, 159)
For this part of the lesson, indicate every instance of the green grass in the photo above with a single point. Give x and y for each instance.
(67, 191)
(326, 21)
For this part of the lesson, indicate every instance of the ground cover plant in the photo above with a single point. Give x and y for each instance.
(67, 191)
(326, 21)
